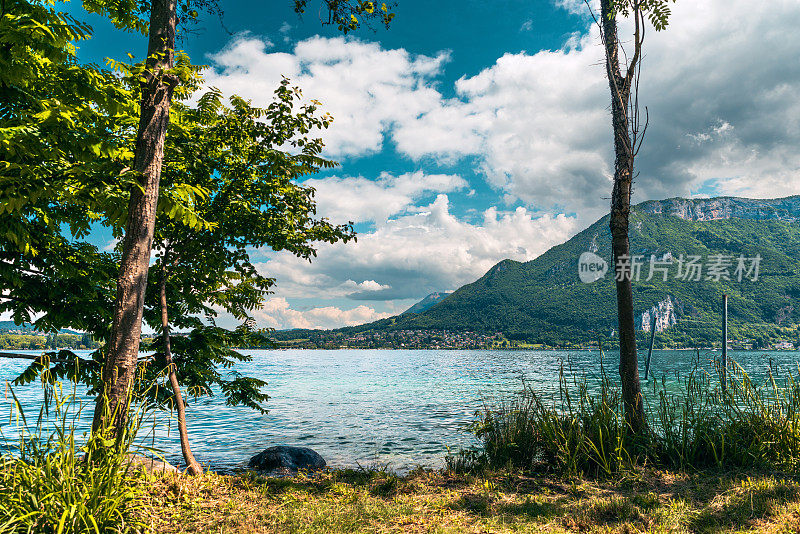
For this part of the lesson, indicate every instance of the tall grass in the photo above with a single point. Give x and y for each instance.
(693, 424)
(51, 483)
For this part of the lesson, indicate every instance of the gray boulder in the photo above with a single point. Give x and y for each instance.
(151, 465)
(284, 458)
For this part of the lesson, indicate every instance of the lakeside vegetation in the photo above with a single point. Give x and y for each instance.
(42, 342)
(765, 337)
(66, 495)
(703, 419)
(768, 338)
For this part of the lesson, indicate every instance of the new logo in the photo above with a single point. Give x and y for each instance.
(591, 267)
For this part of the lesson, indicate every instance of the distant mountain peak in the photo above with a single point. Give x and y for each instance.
(428, 302)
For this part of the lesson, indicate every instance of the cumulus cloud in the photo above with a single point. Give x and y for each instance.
(360, 199)
(367, 89)
(539, 125)
(278, 314)
(720, 85)
(419, 253)
(540, 122)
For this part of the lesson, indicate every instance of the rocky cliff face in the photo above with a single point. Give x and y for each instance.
(664, 313)
(709, 209)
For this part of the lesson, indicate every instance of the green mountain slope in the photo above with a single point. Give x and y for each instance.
(544, 301)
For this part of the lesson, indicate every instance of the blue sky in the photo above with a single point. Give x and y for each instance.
(475, 131)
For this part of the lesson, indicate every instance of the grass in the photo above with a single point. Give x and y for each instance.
(646, 500)
(716, 462)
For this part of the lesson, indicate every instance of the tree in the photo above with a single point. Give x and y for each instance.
(350, 15)
(238, 179)
(628, 135)
(234, 154)
(66, 133)
(157, 86)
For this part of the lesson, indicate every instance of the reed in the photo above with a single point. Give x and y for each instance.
(581, 430)
(49, 482)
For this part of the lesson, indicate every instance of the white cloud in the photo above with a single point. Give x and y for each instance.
(418, 253)
(367, 285)
(111, 244)
(578, 7)
(367, 89)
(540, 122)
(278, 314)
(362, 199)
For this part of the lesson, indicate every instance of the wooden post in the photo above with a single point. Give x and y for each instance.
(724, 343)
(650, 351)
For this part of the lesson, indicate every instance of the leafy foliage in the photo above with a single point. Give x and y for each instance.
(350, 15)
(252, 201)
(233, 153)
(204, 361)
(66, 138)
(656, 11)
(63, 153)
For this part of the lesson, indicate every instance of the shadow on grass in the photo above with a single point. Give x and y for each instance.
(533, 509)
(379, 483)
(749, 503)
(709, 501)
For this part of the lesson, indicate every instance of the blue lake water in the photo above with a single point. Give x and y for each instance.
(366, 407)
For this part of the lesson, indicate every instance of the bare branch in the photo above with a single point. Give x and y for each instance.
(638, 39)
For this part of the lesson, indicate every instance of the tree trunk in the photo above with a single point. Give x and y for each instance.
(620, 87)
(192, 466)
(111, 411)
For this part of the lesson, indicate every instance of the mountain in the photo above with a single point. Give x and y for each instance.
(29, 329)
(427, 303)
(545, 301)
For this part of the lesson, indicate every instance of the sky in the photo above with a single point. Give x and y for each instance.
(474, 131)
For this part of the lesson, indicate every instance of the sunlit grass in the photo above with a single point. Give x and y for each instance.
(51, 483)
(426, 501)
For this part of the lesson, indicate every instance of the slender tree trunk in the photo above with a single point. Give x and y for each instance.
(111, 411)
(620, 87)
(192, 466)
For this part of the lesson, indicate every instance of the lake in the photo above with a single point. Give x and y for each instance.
(400, 408)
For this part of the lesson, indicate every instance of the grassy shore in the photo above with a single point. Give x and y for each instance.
(713, 461)
(425, 501)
